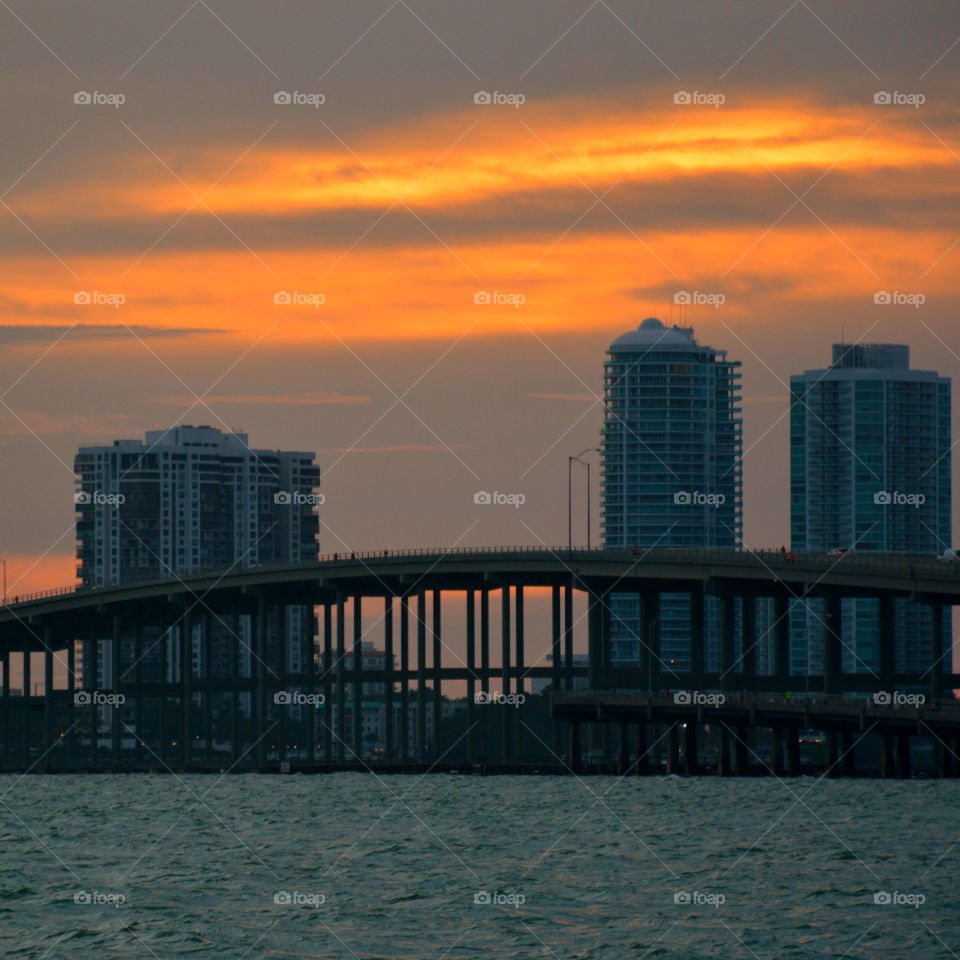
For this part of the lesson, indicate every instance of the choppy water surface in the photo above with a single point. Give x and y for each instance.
(357, 866)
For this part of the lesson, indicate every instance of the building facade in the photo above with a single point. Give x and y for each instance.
(671, 447)
(185, 500)
(870, 470)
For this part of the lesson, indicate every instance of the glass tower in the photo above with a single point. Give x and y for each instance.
(671, 475)
(869, 471)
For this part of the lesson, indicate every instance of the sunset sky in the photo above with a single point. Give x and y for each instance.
(199, 199)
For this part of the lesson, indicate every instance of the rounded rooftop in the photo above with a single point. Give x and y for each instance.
(652, 333)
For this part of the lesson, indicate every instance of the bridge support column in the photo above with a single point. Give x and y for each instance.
(471, 673)
(356, 736)
(281, 712)
(166, 642)
(568, 635)
(186, 687)
(727, 627)
(594, 639)
(723, 751)
(650, 652)
(308, 648)
(209, 675)
(116, 672)
(643, 750)
(776, 752)
(328, 687)
(847, 759)
(748, 645)
(697, 661)
(390, 747)
(903, 756)
(405, 676)
(936, 651)
(886, 656)
(555, 632)
(91, 669)
(741, 750)
(341, 667)
(832, 638)
(27, 712)
(576, 763)
(504, 711)
(485, 673)
(690, 761)
(258, 668)
(888, 766)
(6, 707)
(832, 756)
(71, 737)
(781, 637)
(421, 675)
(48, 752)
(673, 749)
(519, 685)
(623, 748)
(437, 745)
(793, 751)
(235, 627)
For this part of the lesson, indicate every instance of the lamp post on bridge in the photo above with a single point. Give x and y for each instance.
(570, 460)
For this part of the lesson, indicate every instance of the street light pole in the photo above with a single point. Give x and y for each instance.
(586, 463)
(4, 562)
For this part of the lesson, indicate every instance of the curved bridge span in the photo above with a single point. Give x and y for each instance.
(149, 681)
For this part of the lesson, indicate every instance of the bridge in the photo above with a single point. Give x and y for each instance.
(167, 720)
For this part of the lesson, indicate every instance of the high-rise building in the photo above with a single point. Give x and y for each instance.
(189, 499)
(869, 471)
(670, 469)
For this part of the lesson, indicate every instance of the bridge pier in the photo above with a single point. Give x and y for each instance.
(405, 672)
(520, 685)
(48, 642)
(727, 648)
(777, 766)
(847, 759)
(186, 688)
(650, 637)
(235, 750)
(832, 639)
(781, 637)
(71, 737)
(748, 646)
(555, 632)
(437, 745)
(742, 751)
(903, 756)
(623, 749)
(356, 736)
(485, 675)
(832, 758)
(936, 651)
(690, 748)
(471, 738)
(888, 759)
(793, 751)
(389, 732)
(697, 649)
(421, 676)
(673, 749)
(504, 712)
(576, 763)
(723, 751)
(5, 694)
(341, 667)
(90, 674)
(886, 611)
(568, 635)
(327, 681)
(643, 750)
(25, 712)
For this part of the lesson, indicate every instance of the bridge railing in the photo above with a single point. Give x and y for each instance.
(853, 561)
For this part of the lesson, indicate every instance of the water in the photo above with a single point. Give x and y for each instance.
(391, 867)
